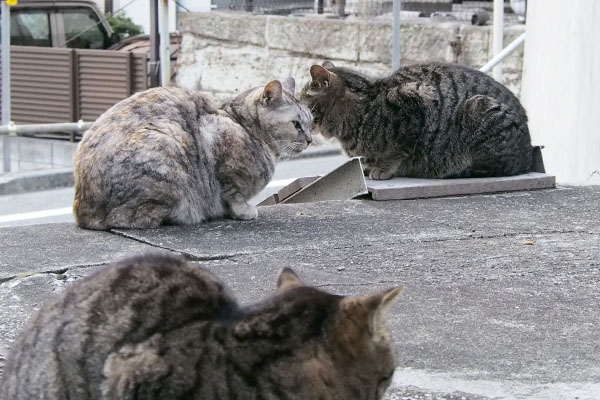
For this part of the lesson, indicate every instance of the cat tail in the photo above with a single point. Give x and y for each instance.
(537, 162)
(88, 215)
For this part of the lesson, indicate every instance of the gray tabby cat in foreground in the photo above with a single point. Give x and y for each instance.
(426, 121)
(158, 327)
(167, 156)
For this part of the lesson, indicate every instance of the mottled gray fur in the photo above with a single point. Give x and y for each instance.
(158, 327)
(428, 121)
(2, 361)
(167, 156)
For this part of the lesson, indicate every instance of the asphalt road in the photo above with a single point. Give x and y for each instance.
(52, 206)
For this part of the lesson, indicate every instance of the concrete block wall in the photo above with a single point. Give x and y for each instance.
(226, 53)
(28, 154)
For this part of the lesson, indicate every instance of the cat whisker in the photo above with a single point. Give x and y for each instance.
(290, 150)
(280, 144)
(287, 151)
(293, 149)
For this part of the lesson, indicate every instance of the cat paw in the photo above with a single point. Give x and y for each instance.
(243, 211)
(378, 174)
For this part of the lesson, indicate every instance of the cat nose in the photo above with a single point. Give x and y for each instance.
(308, 140)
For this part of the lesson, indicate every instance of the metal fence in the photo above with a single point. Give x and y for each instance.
(477, 12)
(58, 85)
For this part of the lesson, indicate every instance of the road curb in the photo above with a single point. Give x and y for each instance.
(24, 182)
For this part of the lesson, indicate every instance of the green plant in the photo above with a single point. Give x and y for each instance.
(123, 25)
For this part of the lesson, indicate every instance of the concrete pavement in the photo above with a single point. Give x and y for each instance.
(502, 293)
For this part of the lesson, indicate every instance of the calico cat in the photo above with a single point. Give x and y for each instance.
(167, 156)
(158, 327)
(426, 121)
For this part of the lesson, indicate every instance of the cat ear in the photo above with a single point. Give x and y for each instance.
(287, 279)
(328, 64)
(319, 75)
(289, 85)
(366, 313)
(273, 93)
(389, 297)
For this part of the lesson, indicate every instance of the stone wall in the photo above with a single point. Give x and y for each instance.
(225, 53)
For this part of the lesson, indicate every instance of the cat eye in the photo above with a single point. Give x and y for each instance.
(298, 126)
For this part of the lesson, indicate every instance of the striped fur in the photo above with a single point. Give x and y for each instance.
(2, 361)
(158, 327)
(167, 156)
(428, 121)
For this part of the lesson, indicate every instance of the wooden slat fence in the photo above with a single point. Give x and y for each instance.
(65, 85)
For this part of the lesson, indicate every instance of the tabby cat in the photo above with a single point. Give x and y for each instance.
(158, 327)
(167, 156)
(427, 121)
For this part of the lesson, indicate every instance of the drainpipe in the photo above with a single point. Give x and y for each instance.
(165, 54)
(108, 6)
(154, 45)
(5, 82)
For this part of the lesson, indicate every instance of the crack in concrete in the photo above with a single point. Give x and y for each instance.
(139, 240)
(218, 257)
(60, 272)
(471, 235)
(187, 255)
(463, 236)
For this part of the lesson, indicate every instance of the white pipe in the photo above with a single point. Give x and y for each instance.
(15, 130)
(498, 36)
(397, 7)
(165, 54)
(5, 32)
(503, 54)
